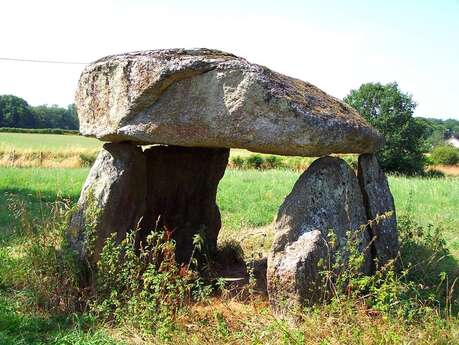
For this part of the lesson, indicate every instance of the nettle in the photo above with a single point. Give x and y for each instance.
(417, 284)
(142, 284)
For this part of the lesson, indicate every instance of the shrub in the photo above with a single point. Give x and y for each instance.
(273, 162)
(352, 160)
(255, 161)
(445, 154)
(237, 162)
(433, 173)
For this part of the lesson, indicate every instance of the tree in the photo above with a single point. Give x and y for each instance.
(390, 110)
(15, 112)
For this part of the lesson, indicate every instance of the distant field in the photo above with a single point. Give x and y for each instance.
(47, 142)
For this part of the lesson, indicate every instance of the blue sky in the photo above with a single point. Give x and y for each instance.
(336, 45)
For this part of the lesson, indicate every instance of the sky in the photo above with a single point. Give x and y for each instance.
(335, 45)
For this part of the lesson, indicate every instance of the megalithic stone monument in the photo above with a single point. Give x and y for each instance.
(192, 106)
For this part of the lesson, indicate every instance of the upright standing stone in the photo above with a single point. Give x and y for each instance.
(378, 202)
(326, 197)
(181, 194)
(112, 200)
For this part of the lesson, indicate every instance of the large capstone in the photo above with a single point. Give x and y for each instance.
(112, 200)
(380, 208)
(207, 98)
(326, 198)
(181, 195)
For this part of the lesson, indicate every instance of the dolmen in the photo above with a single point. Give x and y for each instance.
(169, 118)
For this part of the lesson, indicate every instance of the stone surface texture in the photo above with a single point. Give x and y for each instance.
(378, 202)
(181, 195)
(207, 98)
(112, 199)
(326, 196)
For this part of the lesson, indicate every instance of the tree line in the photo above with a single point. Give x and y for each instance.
(15, 112)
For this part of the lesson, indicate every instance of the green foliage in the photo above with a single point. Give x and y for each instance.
(445, 154)
(17, 113)
(237, 162)
(417, 284)
(390, 110)
(144, 287)
(49, 270)
(255, 161)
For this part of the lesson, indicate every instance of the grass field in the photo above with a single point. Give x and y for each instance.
(47, 142)
(248, 200)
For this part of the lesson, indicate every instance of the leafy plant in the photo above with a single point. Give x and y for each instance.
(145, 287)
(445, 154)
(255, 161)
(417, 284)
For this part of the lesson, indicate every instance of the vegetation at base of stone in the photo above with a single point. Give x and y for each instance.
(145, 288)
(390, 110)
(142, 287)
(445, 154)
(47, 273)
(420, 282)
(146, 298)
(17, 113)
(247, 199)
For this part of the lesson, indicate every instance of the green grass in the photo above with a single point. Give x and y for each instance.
(37, 188)
(47, 142)
(19, 328)
(247, 198)
(430, 200)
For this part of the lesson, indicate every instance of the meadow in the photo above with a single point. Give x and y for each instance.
(248, 200)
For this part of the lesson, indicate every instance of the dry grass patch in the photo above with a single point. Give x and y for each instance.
(449, 170)
(73, 158)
